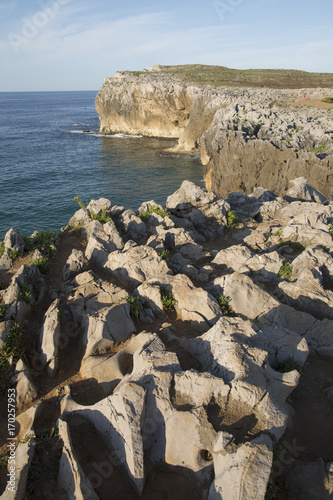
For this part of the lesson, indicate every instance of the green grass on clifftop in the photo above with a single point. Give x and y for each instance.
(273, 78)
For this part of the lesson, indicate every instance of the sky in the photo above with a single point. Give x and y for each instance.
(75, 44)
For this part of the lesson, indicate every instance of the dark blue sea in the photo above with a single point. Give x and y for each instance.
(47, 157)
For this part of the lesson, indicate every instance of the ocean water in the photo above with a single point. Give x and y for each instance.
(47, 158)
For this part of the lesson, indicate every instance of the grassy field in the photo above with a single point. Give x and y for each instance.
(273, 78)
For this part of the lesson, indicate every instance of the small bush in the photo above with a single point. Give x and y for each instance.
(288, 366)
(226, 308)
(277, 233)
(26, 438)
(2, 248)
(256, 322)
(153, 209)
(165, 255)
(231, 218)
(3, 310)
(318, 149)
(168, 300)
(42, 241)
(4, 461)
(14, 254)
(134, 306)
(274, 103)
(41, 264)
(286, 270)
(328, 99)
(25, 293)
(11, 348)
(297, 247)
(103, 217)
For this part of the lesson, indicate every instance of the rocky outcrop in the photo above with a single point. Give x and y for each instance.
(176, 350)
(246, 137)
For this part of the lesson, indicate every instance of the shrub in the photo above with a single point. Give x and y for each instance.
(41, 264)
(231, 218)
(288, 366)
(25, 293)
(103, 217)
(2, 248)
(226, 308)
(14, 254)
(165, 255)
(286, 270)
(10, 349)
(3, 310)
(42, 241)
(168, 300)
(134, 306)
(4, 461)
(153, 209)
(328, 99)
(318, 149)
(297, 247)
(256, 322)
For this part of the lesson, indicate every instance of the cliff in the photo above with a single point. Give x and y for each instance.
(245, 137)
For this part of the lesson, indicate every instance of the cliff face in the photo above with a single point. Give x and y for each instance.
(245, 137)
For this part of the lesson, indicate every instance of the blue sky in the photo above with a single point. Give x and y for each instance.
(74, 44)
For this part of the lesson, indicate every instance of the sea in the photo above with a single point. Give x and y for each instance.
(51, 152)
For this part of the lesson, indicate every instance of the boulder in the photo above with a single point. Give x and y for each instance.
(132, 225)
(243, 474)
(71, 476)
(102, 240)
(191, 303)
(206, 211)
(301, 190)
(26, 391)
(137, 264)
(49, 338)
(25, 290)
(13, 241)
(307, 294)
(76, 263)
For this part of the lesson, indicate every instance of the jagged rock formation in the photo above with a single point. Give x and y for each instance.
(188, 338)
(246, 137)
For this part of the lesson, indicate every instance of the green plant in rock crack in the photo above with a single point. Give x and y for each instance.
(14, 254)
(41, 264)
(226, 308)
(103, 217)
(165, 255)
(4, 461)
(10, 350)
(286, 270)
(288, 365)
(3, 309)
(168, 299)
(231, 219)
(153, 209)
(134, 306)
(25, 293)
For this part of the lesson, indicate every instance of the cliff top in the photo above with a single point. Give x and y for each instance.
(223, 76)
